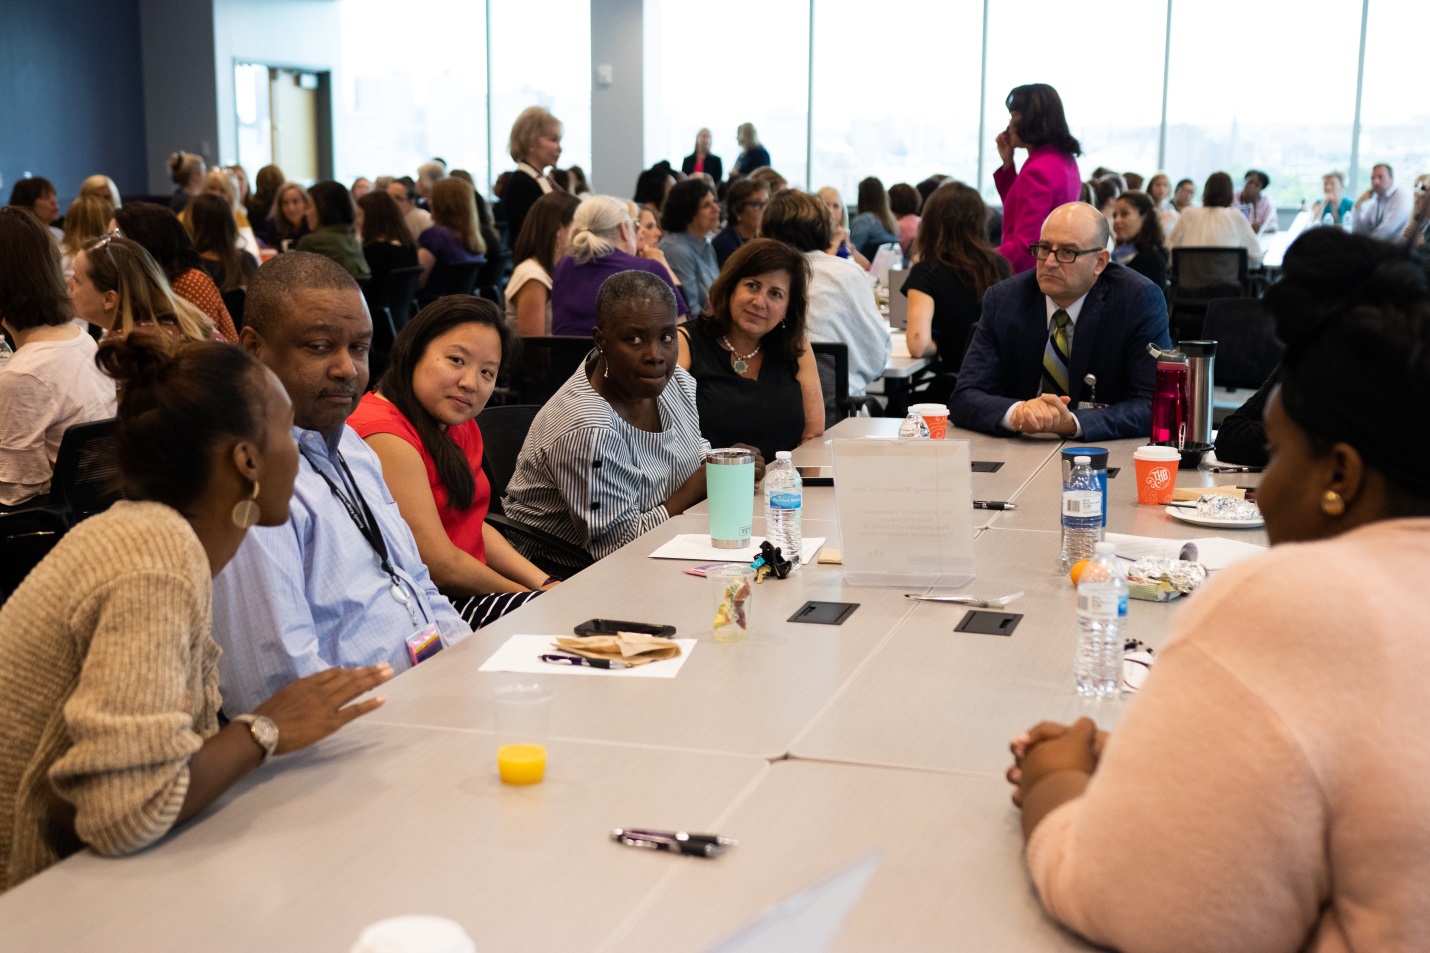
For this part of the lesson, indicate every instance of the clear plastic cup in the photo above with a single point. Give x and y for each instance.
(732, 591)
(523, 722)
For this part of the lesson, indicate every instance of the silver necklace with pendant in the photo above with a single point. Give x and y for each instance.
(742, 361)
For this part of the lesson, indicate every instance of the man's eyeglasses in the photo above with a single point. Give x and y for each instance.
(1065, 256)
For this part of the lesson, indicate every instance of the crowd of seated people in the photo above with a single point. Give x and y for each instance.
(303, 526)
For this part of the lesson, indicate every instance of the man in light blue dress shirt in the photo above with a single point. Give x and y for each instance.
(318, 591)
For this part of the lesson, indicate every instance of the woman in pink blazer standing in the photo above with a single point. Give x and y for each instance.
(1049, 176)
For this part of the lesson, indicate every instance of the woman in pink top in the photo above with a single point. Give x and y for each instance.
(1049, 176)
(1265, 791)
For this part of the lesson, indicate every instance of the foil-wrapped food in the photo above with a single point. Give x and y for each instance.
(1158, 579)
(1218, 506)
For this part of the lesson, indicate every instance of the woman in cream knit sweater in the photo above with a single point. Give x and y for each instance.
(109, 698)
(1265, 790)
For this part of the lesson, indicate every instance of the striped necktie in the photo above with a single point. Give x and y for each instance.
(1055, 356)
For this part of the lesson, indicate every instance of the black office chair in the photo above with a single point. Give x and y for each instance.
(504, 430)
(400, 293)
(1247, 348)
(546, 362)
(86, 479)
(832, 360)
(26, 537)
(234, 301)
(458, 278)
(491, 279)
(1199, 275)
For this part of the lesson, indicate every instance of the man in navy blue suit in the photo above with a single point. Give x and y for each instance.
(1063, 349)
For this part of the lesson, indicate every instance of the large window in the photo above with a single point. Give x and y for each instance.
(541, 56)
(717, 67)
(882, 105)
(1255, 85)
(1395, 112)
(406, 97)
(1105, 64)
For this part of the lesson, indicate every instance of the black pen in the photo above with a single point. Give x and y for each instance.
(993, 505)
(579, 660)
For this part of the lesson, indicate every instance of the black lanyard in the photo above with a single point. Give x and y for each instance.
(367, 525)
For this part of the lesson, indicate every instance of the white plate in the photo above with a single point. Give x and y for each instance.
(1189, 515)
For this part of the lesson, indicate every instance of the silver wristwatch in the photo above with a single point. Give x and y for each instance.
(264, 731)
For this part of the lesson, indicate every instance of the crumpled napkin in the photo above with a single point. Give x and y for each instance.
(633, 648)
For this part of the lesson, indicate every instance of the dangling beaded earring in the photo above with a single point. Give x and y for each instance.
(245, 512)
(606, 365)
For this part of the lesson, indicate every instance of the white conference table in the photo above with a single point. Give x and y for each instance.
(401, 812)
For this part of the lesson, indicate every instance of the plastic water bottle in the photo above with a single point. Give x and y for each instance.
(914, 427)
(784, 501)
(1101, 614)
(1082, 513)
(5, 354)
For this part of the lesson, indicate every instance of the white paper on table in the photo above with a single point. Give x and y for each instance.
(521, 654)
(809, 921)
(1213, 552)
(698, 547)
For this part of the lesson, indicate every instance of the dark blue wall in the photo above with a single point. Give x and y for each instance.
(71, 94)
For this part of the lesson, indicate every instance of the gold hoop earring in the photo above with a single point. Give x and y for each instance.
(1332, 504)
(245, 512)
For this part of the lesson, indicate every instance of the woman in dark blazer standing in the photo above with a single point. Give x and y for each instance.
(701, 160)
(535, 146)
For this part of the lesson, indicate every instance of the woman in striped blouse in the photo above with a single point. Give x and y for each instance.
(617, 450)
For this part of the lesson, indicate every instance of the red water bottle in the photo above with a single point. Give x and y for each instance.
(1169, 396)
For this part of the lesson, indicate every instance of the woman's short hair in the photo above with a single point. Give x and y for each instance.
(32, 283)
(183, 166)
(767, 176)
(1262, 178)
(533, 123)
(1354, 314)
(26, 192)
(159, 231)
(1337, 175)
(86, 219)
(95, 183)
(953, 232)
(1149, 236)
(1218, 192)
(595, 227)
(904, 199)
(760, 256)
(269, 179)
(682, 203)
(145, 297)
(747, 136)
(742, 193)
(825, 194)
(626, 289)
(454, 204)
(1041, 121)
(178, 404)
(430, 173)
(439, 317)
(333, 203)
(382, 220)
(221, 182)
(798, 219)
(213, 230)
(538, 233)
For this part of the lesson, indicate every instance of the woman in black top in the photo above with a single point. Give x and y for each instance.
(756, 380)
(956, 265)
(1137, 226)
(215, 238)
(387, 243)
(535, 146)
(709, 164)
